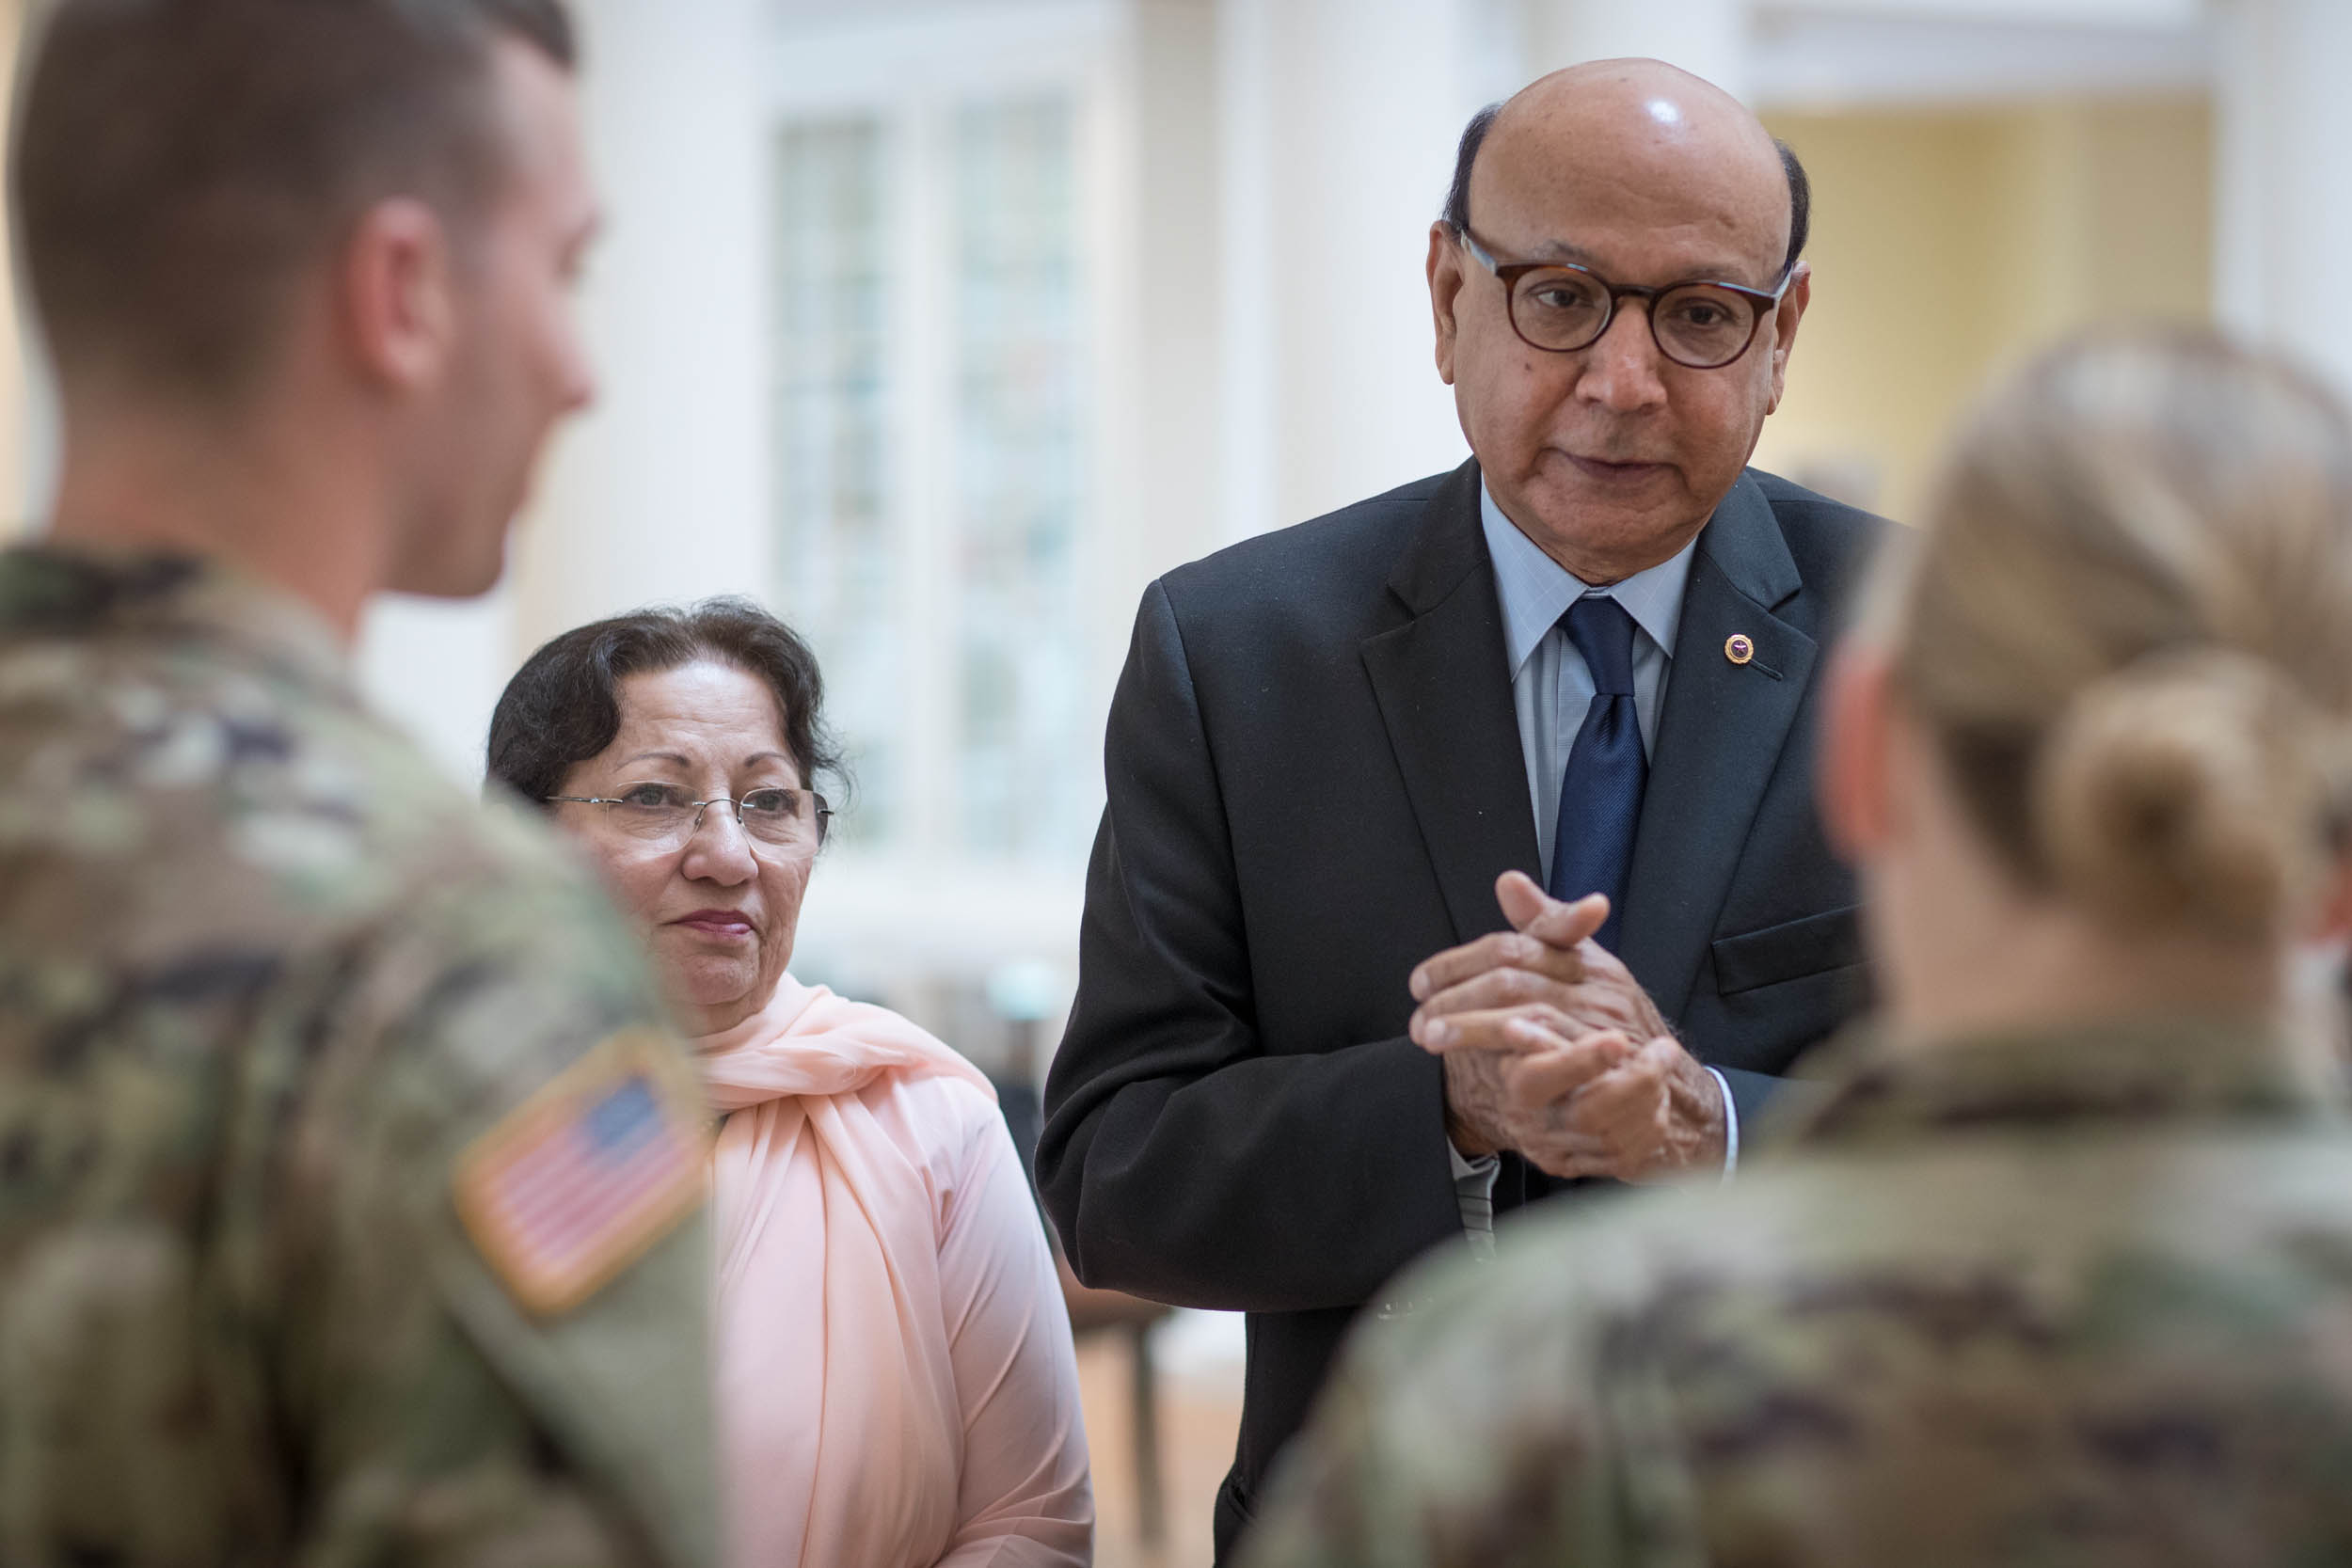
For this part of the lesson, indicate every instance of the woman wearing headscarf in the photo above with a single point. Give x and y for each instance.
(896, 1387)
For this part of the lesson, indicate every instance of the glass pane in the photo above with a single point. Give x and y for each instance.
(1702, 326)
(837, 564)
(1021, 763)
(1557, 308)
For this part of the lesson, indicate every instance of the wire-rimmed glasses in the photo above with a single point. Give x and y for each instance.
(1560, 308)
(779, 822)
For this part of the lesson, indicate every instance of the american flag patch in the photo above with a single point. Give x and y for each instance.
(577, 1183)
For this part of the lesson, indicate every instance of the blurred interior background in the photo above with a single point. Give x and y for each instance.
(941, 326)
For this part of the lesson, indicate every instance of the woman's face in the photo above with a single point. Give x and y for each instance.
(717, 904)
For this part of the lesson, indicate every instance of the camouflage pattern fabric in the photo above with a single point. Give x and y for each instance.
(263, 978)
(2081, 1299)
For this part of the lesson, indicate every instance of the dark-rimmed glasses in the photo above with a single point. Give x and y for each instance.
(1560, 308)
(664, 816)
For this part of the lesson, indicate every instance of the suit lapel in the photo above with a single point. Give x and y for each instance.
(1720, 738)
(1444, 692)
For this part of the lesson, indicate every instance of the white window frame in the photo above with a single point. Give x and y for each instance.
(923, 908)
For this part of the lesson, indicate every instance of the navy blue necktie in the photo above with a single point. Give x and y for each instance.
(1600, 793)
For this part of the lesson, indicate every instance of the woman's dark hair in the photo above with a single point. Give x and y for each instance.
(562, 705)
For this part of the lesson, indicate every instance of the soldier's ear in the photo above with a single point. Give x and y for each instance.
(2334, 922)
(394, 295)
(1855, 760)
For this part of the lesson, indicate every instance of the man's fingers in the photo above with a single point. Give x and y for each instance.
(1602, 1006)
(1632, 1089)
(1523, 903)
(1547, 937)
(1531, 909)
(1539, 1029)
(1542, 1075)
(1497, 988)
(1588, 1006)
(1501, 950)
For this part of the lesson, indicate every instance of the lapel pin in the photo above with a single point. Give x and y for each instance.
(1740, 647)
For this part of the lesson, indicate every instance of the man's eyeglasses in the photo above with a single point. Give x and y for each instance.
(1561, 308)
(779, 822)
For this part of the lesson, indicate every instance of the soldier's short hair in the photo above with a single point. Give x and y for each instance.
(179, 163)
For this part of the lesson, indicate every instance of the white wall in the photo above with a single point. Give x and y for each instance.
(1707, 37)
(1338, 120)
(2283, 242)
(435, 666)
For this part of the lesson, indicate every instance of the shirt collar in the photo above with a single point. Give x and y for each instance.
(1537, 590)
(2137, 1071)
(77, 592)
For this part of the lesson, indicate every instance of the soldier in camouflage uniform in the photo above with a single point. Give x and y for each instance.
(264, 979)
(2057, 1268)
(1921, 1335)
(350, 1183)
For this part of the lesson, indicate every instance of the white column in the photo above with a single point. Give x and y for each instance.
(2282, 260)
(1339, 119)
(1707, 37)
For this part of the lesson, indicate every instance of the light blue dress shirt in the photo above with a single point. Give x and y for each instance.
(1550, 688)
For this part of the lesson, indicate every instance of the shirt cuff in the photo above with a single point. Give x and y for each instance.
(1474, 1195)
(1731, 1125)
(1485, 1164)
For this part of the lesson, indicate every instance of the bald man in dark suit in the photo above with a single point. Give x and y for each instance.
(1345, 990)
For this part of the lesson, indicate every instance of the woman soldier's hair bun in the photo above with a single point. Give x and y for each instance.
(2128, 624)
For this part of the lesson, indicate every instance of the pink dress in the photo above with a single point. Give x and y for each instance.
(896, 1387)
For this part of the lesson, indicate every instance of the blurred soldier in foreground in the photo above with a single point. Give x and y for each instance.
(350, 1192)
(2061, 1270)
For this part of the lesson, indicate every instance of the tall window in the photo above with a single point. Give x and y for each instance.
(1017, 482)
(836, 559)
(934, 449)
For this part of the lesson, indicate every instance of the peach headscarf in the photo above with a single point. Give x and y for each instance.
(840, 1418)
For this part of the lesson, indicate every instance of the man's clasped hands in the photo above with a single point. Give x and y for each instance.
(1551, 1049)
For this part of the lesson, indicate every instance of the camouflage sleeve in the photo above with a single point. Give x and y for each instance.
(446, 1414)
(1460, 1434)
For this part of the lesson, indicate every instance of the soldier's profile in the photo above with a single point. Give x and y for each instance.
(350, 1180)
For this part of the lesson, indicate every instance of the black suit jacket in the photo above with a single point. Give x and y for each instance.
(1315, 778)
